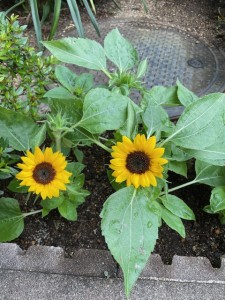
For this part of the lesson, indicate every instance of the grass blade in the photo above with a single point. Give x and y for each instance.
(36, 21)
(93, 6)
(74, 10)
(92, 17)
(14, 6)
(145, 5)
(55, 22)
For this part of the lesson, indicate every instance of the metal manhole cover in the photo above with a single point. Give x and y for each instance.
(172, 54)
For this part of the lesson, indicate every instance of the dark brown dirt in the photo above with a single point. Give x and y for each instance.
(206, 236)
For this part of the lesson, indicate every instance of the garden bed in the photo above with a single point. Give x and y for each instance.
(204, 237)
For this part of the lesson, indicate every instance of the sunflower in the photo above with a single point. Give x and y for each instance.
(44, 172)
(138, 162)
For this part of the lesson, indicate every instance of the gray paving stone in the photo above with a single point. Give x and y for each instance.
(44, 273)
(24, 285)
(52, 260)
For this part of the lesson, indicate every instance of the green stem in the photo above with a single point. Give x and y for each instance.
(101, 145)
(107, 73)
(70, 129)
(179, 187)
(32, 213)
(27, 198)
(58, 144)
(58, 138)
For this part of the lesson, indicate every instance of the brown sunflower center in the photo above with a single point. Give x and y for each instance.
(44, 173)
(138, 162)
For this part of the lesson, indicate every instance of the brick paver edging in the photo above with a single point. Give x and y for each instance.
(99, 263)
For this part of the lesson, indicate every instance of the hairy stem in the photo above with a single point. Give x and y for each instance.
(32, 213)
(179, 187)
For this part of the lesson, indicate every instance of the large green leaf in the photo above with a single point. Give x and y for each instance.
(178, 207)
(103, 110)
(11, 219)
(130, 229)
(201, 123)
(21, 131)
(161, 95)
(120, 51)
(208, 174)
(215, 154)
(81, 52)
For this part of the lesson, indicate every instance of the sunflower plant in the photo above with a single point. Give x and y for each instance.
(144, 144)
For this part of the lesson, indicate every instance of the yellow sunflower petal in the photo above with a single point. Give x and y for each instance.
(38, 155)
(48, 153)
(135, 180)
(151, 142)
(157, 152)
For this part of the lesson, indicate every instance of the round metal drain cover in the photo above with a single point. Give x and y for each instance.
(172, 54)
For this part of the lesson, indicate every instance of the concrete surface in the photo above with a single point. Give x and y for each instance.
(44, 273)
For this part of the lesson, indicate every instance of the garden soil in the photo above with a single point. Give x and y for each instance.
(205, 236)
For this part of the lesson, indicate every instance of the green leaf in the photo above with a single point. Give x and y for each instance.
(215, 154)
(208, 174)
(75, 168)
(11, 219)
(103, 110)
(222, 217)
(59, 93)
(14, 186)
(66, 77)
(81, 52)
(179, 167)
(21, 131)
(185, 96)
(45, 212)
(155, 118)
(120, 51)
(173, 221)
(178, 207)
(217, 199)
(161, 95)
(201, 123)
(38, 136)
(208, 209)
(84, 82)
(130, 127)
(73, 109)
(142, 68)
(68, 210)
(130, 230)
(74, 190)
(116, 185)
(178, 154)
(50, 204)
